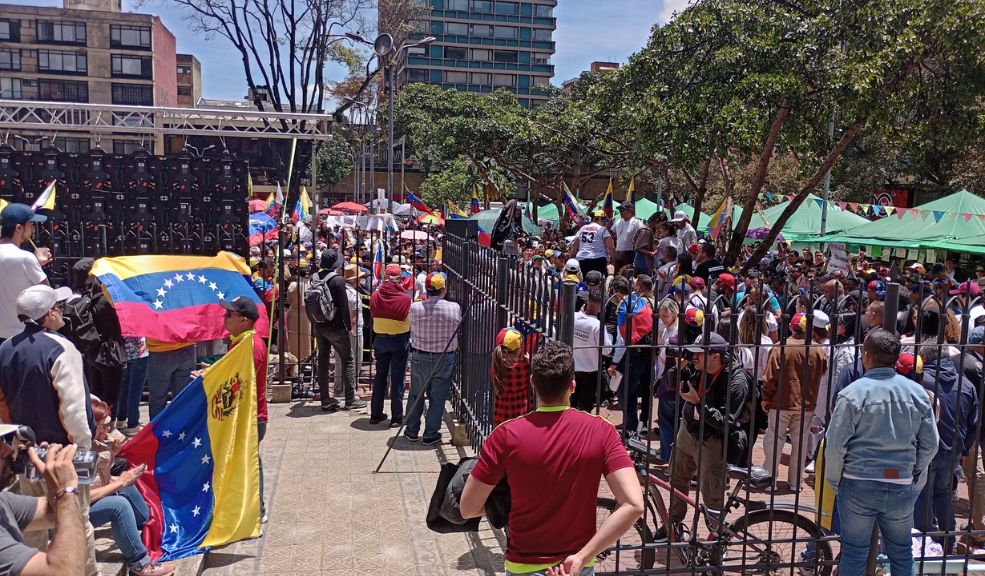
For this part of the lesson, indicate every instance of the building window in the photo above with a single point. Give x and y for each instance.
(540, 58)
(10, 30)
(132, 66)
(482, 6)
(543, 11)
(504, 80)
(457, 29)
(417, 51)
(63, 91)
(417, 75)
(540, 80)
(10, 88)
(506, 56)
(55, 61)
(455, 53)
(184, 69)
(67, 32)
(10, 59)
(129, 36)
(482, 31)
(133, 94)
(184, 90)
(506, 31)
(482, 78)
(542, 34)
(72, 145)
(457, 77)
(462, 5)
(125, 147)
(482, 55)
(507, 8)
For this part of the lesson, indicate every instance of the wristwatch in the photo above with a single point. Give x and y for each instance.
(67, 490)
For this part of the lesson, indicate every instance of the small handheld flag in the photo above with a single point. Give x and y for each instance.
(274, 203)
(607, 201)
(474, 202)
(417, 203)
(571, 204)
(302, 208)
(46, 200)
(378, 262)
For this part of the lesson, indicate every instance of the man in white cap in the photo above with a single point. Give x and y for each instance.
(685, 232)
(18, 268)
(43, 387)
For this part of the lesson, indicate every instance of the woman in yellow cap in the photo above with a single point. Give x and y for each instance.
(510, 373)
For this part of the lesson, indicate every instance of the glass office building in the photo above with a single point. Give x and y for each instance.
(484, 45)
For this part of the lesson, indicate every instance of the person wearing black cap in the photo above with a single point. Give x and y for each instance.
(335, 334)
(18, 268)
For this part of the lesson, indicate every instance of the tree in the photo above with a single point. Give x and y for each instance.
(334, 161)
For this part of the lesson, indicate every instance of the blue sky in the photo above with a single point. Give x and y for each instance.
(588, 30)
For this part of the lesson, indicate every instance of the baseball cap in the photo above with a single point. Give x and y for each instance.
(16, 213)
(598, 214)
(243, 306)
(36, 301)
(679, 216)
(698, 282)
(908, 364)
(435, 282)
(548, 253)
(694, 317)
(977, 335)
(393, 270)
(682, 279)
(968, 288)
(593, 278)
(918, 268)
(713, 343)
(572, 265)
(509, 338)
(625, 206)
(821, 319)
(727, 280)
(798, 322)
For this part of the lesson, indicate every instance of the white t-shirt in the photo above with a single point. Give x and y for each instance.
(669, 241)
(586, 342)
(625, 232)
(355, 307)
(591, 241)
(20, 270)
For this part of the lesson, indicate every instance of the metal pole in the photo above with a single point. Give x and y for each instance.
(891, 309)
(391, 93)
(372, 165)
(569, 291)
(827, 181)
(314, 176)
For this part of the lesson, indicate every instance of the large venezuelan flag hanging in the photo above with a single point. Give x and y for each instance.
(176, 298)
(202, 484)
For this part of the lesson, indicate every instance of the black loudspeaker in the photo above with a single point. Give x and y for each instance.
(462, 228)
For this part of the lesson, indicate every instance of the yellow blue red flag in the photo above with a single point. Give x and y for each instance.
(631, 193)
(45, 200)
(454, 212)
(474, 202)
(176, 298)
(715, 224)
(202, 483)
(607, 201)
(302, 208)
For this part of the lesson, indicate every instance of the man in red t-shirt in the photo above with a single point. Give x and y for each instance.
(241, 316)
(553, 459)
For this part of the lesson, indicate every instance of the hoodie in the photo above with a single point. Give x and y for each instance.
(958, 404)
(390, 307)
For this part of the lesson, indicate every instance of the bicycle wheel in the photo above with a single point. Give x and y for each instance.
(634, 558)
(764, 544)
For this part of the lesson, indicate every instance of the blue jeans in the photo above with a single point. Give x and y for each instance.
(633, 367)
(666, 419)
(126, 512)
(168, 372)
(128, 403)
(862, 504)
(641, 262)
(391, 361)
(934, 510)
(261, 432)
(421, 364)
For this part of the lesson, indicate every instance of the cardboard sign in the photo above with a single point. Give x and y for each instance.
(838, 261)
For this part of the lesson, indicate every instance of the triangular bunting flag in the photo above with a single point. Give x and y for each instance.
(900, 214)
(889, 209)
(865, 207)
(789, 197)
(967, 217)
(981, 216)
(938, 214)
(843, 205)
(854, 206)
(924, 214)
(913, 212)
(820, 203)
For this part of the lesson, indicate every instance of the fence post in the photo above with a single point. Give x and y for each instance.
(569, 291)
(502, 291)
(891, 307)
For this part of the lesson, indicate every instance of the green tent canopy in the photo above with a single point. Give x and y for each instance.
(645, 208)
(487, 219)
(805, 223)
(939, 221)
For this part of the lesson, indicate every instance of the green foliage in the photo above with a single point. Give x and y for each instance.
(449, 185)
(333, 161)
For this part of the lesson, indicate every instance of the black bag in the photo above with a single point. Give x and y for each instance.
(80, 326)
(738, 443)
(318, 302)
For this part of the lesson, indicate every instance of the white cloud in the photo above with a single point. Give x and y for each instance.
(668, 9)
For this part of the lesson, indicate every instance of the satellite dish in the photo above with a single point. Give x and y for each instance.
(383, 44)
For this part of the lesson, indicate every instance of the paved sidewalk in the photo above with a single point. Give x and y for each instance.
(330, 514)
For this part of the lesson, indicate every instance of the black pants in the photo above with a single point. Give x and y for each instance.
(105, 383)
(624, 258)
(329, 337)
(594, 264)
(586, 390)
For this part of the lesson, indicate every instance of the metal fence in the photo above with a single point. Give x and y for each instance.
(718, 506)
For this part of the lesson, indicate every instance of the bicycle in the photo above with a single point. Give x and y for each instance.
(762, 541)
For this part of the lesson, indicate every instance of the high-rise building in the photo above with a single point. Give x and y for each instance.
(484, 45)
(89, 51)
(189, 80)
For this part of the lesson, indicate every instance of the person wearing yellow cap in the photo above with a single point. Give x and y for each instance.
(510, 372)
(593, 246)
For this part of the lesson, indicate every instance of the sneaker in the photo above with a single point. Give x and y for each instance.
(132, 431)
(810, 468)
(263, 519)
(431, 440)
(154, 569)
(374, 420)
(396, 423)
(355, 404)
(331, 406)
(411, 437)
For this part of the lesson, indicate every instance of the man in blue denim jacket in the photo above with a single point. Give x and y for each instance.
(881, 438)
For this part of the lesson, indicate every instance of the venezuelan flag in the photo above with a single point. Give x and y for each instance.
(45, 200)
(456, 213)
(474, 202)
(378, 264)
(274, 202)
(572, 205)
(717, 219)
(607, 201)
(202, 484)
(302, 208)
(417, 203)
(176, 298)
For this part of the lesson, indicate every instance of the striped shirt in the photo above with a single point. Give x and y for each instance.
(433, 323)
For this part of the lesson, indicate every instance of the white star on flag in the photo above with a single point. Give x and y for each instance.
(181, 437)
(201, 279)
(166, 434)
(158, 304)
(221, 296)
(213, 286)
(197, 442)
(205, 487)
(168, 283)
(161, 292)
(190, 276)
(196, 511)
(174, 528)
(206, 459)
(178, 277)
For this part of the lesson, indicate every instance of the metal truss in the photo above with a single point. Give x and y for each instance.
(113, 119)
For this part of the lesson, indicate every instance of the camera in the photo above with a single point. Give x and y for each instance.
(23, 436)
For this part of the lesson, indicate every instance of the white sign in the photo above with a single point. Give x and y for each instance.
(839, 258)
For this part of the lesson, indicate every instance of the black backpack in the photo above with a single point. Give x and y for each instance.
(80, 326)
(318, 302)
(751, 418)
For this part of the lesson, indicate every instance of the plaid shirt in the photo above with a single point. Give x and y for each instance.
(511, 402)
(433, 322)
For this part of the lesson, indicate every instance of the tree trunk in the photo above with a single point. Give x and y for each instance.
(701, 189)
(829, 162)
(739, 232)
